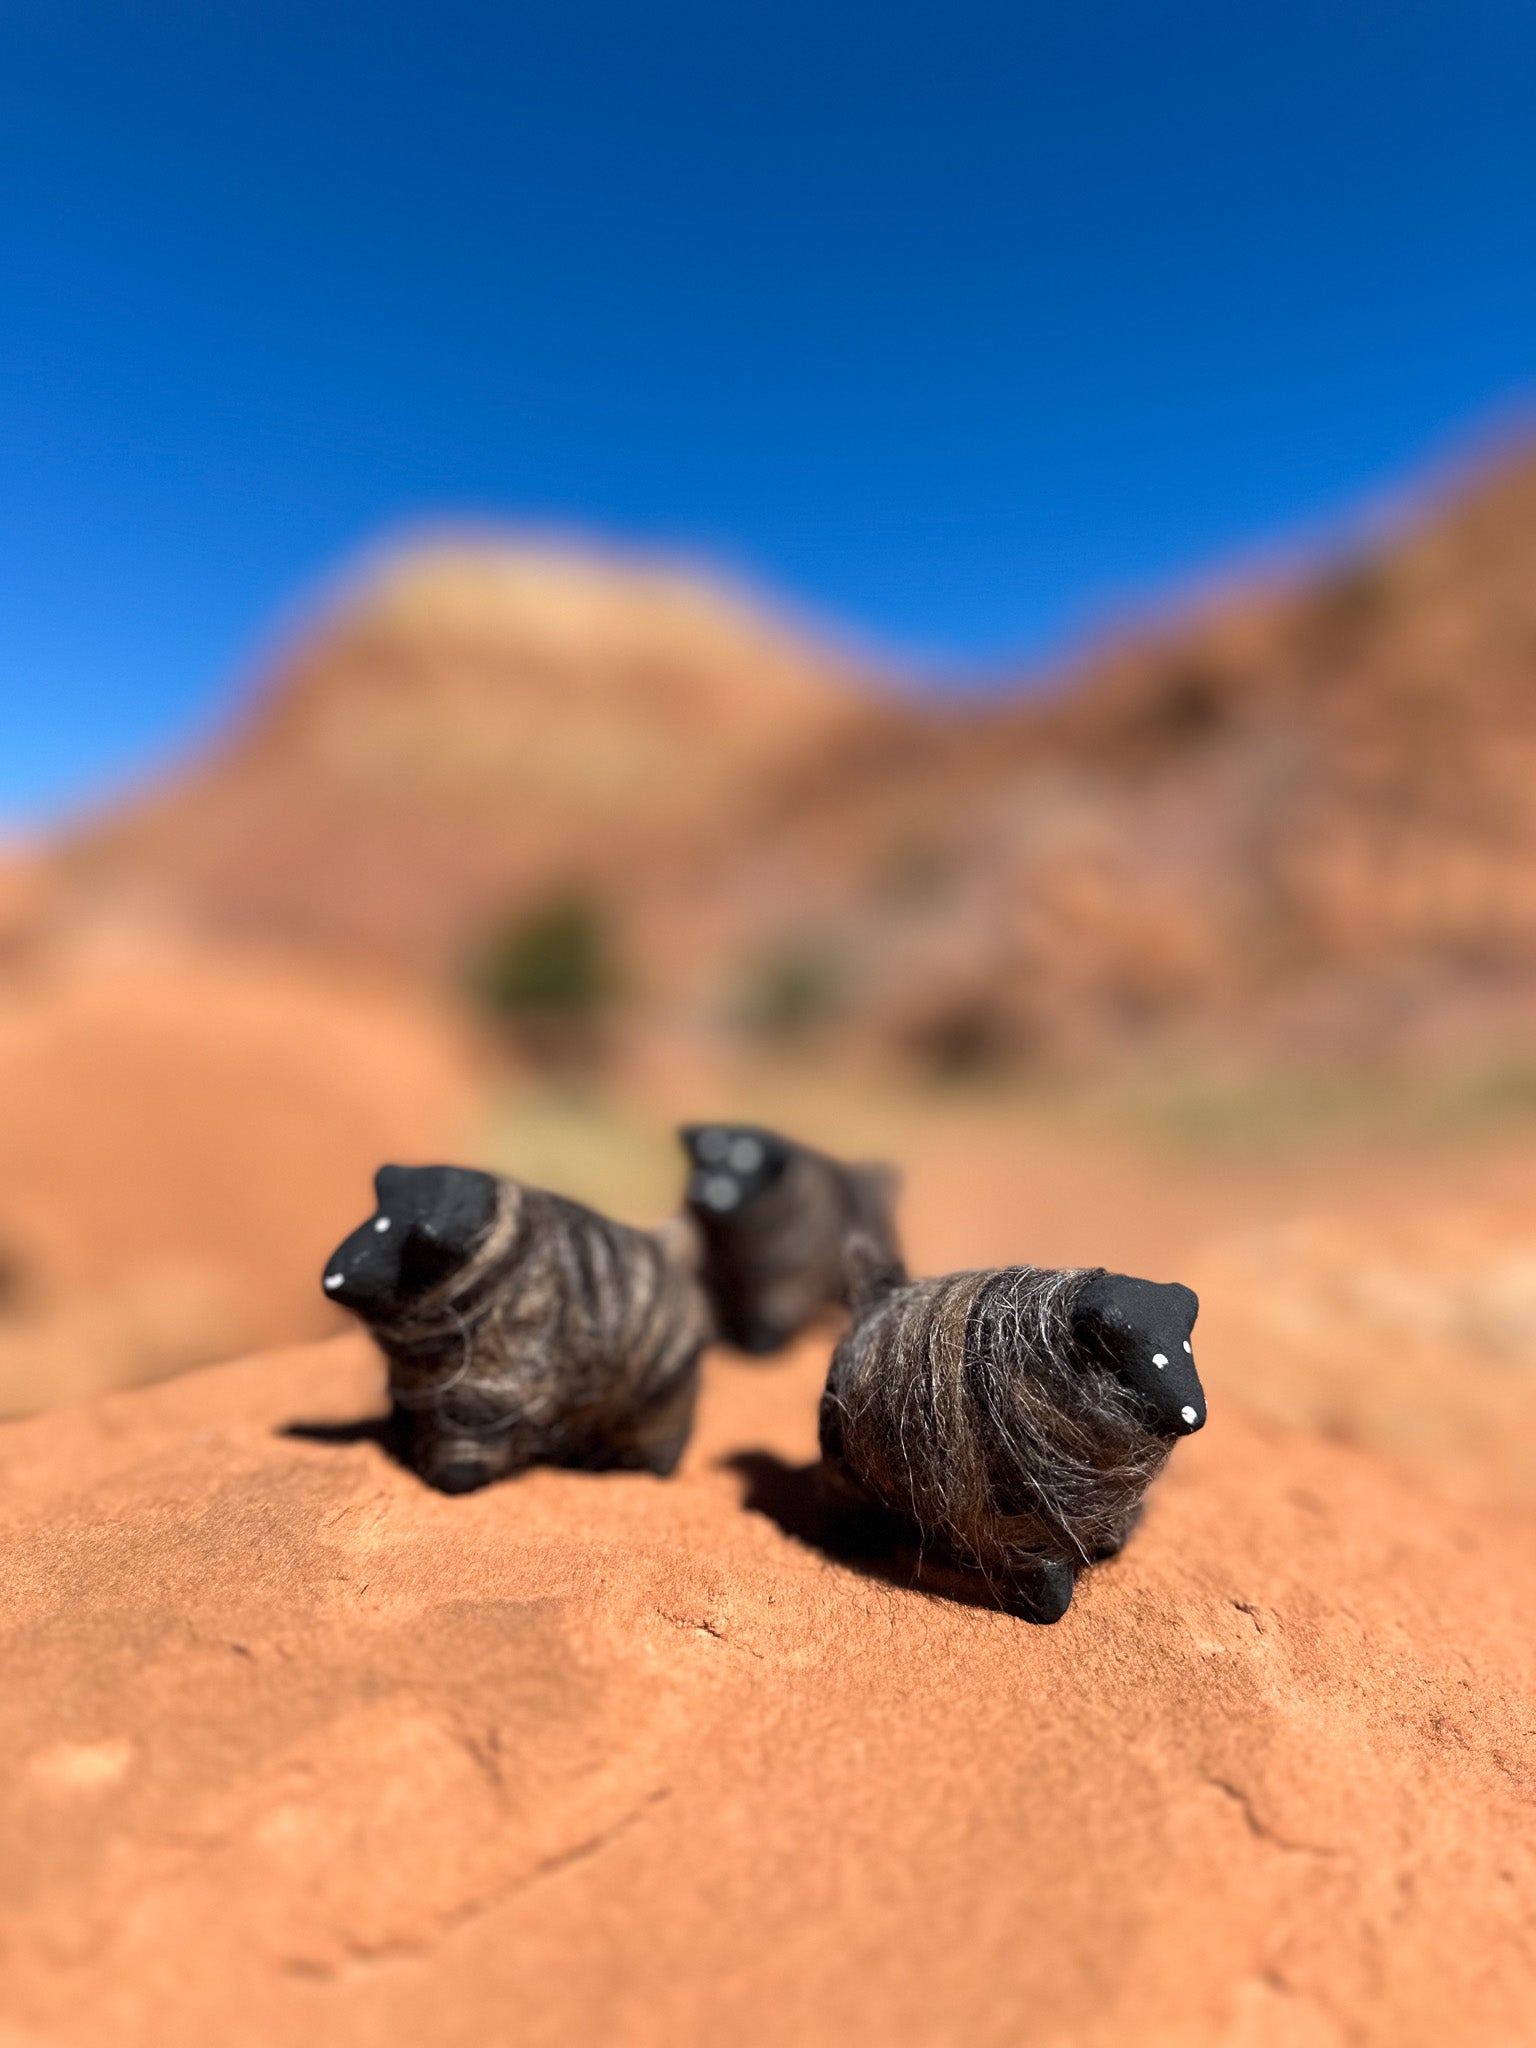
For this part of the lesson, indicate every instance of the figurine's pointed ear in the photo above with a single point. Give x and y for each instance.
(880, 1182)
(870, 1271)
(1142, 1330)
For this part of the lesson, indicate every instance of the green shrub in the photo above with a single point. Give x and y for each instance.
(551, 966)
(790, 988)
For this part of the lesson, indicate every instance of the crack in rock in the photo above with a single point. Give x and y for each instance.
(1260, 1827)
(359, 1957)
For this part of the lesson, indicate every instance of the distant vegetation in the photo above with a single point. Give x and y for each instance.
(789, 988)
(550, 978)
(967, 1037)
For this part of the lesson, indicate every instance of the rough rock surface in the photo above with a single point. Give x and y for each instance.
(295, 1749)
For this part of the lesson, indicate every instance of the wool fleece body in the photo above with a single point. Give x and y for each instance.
(1015, 1418)
(777, 1219)
(521, 1328)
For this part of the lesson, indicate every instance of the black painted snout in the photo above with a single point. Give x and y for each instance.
(732, 1164)
(1142, 1330)
(429, 1221)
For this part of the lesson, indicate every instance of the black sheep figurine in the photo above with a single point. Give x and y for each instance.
(522, 1328)
(1016, 1418)
(777, 1220)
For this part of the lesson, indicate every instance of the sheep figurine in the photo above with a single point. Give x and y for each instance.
(777, 1220)
(520, 1328)
(1016, 1418)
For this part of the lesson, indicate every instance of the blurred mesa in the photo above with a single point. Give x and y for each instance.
(1301, 822)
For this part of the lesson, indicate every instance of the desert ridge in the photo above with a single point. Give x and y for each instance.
(1292, 820)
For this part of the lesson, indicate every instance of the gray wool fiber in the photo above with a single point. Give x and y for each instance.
(566, 1338)
(965, 1405)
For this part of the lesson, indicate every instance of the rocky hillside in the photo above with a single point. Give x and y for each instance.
(1303, 819)
(465, 730)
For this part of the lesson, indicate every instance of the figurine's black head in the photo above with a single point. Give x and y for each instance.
(732, 1165)
(430, 1219)
(1141, 1329)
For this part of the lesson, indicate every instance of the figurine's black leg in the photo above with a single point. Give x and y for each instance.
(1044, 1593)
(1113, 1545)
(448, 1462)
(652, 1440)
(662, 1436)
(759, 1338)
(664, 1456)
(460, 1475)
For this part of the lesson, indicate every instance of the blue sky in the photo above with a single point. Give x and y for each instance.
(960, 324)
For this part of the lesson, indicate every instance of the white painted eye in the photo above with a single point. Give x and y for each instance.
(381, 1223)
(1188, 1414)
(720, 1192)
(713, 1146)
(335, 1280)
(1189, 1347)
(1159, 1359)
(746, 1156)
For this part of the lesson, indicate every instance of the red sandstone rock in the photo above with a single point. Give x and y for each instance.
(295, 1749)
(181, 1139)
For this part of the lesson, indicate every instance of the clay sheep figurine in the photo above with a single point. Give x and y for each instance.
(777, 1220)
(522, 1328)
(1016, 1418)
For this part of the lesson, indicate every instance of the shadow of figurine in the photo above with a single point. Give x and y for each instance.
(383, 1430)
(807, 1505)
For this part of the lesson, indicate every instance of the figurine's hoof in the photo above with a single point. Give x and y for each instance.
(663, 1459)
(1046, 1593)
(464, 1475)
(1112, 1546)
(760, 1340)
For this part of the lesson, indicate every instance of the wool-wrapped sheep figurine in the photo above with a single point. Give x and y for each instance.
(1016, 1418)
(521, 1328)
(777, 1220)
